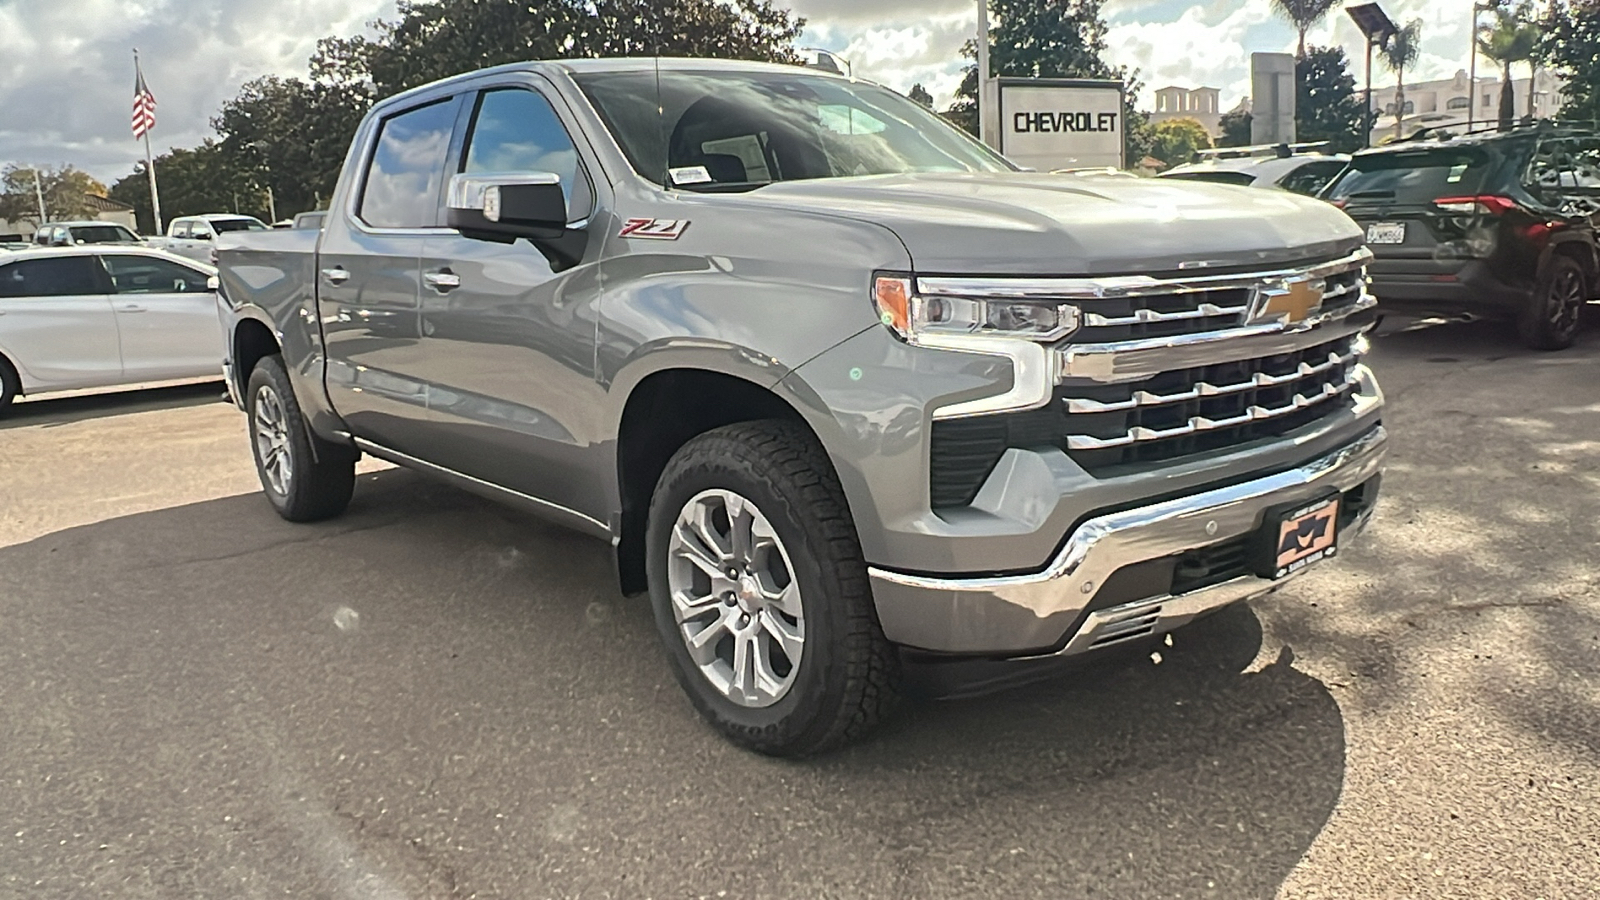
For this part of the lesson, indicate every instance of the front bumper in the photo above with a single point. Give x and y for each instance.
(1081, 601)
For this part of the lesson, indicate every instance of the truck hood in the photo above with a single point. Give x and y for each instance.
(1040, 224)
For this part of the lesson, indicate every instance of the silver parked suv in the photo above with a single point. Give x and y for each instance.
(831, 378)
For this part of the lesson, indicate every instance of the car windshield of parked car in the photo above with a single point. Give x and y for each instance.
(739, 131)
(102, 234)
(1413, 176)
(221, 226)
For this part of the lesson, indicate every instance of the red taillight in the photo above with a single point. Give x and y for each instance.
(1486, 204)
(1340, 203)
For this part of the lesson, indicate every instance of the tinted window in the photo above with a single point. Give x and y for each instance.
(402, 189)
(149, 275)
(1311, 178)
(58, 277)
(517, 131)
(1565, 166)
(101, 234)
(701, 130)
(1413, 176)
(1243, 179)
(221, 226)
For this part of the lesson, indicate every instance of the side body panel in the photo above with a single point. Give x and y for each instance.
(61, 343)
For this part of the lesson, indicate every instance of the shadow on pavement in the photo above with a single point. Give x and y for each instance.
(435, 697)
(52, 411)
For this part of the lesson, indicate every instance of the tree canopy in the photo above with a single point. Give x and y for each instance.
(1572, 47)
(1175, 141)
(1327, 106)
(1304, 15)
(1398, 55)
(63, 186)
(1510, 36)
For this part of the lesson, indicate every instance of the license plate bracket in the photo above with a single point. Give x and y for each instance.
(1386, 233)
(1295, 535)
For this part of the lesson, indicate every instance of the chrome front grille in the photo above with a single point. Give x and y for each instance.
(1193, 410)
(1162, 369)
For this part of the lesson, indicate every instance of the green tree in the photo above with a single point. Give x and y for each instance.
(1510, 36)
(1235, 127)
(201, 180)
(1327, 107)
(1304, 15)
(433, 39)
(1176, 141)
(63, 186)
(921, 95)
(1572, 48)
(1399, 54)
(291, 136)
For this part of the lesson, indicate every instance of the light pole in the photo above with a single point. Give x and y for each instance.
(1377, 27)
(985, 132)
(1472, 78)
(272, 204)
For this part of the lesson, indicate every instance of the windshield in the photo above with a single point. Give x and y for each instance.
(1413, 176)
(101, 234)
(221, 226)
(737, 131)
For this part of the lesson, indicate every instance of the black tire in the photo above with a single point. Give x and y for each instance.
(1551, 319)
(847, 678)
(10, 385)
(321, 476)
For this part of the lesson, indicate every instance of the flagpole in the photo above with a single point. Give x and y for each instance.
(149, 160)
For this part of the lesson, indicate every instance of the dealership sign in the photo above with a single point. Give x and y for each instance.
(1060, 123)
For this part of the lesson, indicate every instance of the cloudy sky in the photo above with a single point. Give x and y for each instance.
(66, 66)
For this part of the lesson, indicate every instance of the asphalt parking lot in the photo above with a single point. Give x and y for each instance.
(435, 697)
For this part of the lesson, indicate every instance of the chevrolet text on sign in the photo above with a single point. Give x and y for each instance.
(1048, 124)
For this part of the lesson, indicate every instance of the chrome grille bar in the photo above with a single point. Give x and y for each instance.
(1143, 316)
(1205, 389)
(1140, 434)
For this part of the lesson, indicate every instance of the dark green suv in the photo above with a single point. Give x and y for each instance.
(1498, 225)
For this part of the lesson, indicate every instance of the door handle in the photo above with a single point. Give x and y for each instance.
(442, 280)
(336, 275)
(130, 309)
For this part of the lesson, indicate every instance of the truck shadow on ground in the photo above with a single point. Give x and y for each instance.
(433, 696)
(53, 411)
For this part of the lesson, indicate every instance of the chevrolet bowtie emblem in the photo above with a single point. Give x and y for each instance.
(1290, 301)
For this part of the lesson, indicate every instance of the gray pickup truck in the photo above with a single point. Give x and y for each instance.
(838, 384)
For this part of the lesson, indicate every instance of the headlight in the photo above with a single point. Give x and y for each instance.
(912, 317)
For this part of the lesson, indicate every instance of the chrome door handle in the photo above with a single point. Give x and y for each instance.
(336, 276)
(442, 281)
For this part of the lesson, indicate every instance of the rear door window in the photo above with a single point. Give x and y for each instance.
(1413, 176)
(1312, 177)
(61, 276)
(404, 180)
(133, 274)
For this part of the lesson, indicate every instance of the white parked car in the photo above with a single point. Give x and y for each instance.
(1290, 168)
(194, 236)
(104, 316)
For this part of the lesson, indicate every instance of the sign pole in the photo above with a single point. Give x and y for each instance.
(985, 129)
(38, 191)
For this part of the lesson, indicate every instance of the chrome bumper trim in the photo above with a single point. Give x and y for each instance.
(1140, 359)
(1102, 545)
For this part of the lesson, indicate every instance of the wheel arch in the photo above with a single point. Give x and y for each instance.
(665, 410)
(1584, 253)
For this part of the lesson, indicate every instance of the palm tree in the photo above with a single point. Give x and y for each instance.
(1512, 37)
(1303, 15)
(1398, 55)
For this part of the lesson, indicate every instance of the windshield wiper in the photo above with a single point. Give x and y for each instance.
(1370, 195)
(722, 187)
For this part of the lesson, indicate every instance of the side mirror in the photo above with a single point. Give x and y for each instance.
(504, 207)
(213, 283)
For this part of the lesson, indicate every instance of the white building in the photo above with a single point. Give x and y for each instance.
(1203, 104)
(1432, 104)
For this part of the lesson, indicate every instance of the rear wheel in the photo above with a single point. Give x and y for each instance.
(1551, 321)
(305, 477)
(10, 384)
(761, 594)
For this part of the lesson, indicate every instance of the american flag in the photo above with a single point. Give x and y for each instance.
(144, 104)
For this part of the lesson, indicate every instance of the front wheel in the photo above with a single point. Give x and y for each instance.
(1550, 322)
(761, 594)
(305, 478)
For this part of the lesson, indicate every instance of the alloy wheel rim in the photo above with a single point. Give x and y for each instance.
(735, 599)
(272, 440)
(1566, 296)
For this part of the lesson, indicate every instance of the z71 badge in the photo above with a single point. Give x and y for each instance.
(654, 229)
